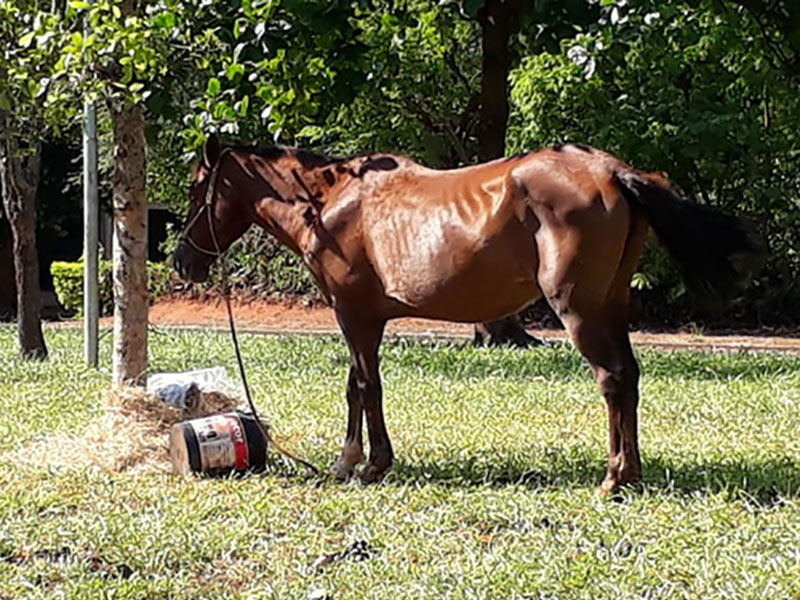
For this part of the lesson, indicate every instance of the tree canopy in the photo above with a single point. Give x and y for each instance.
(705, 90)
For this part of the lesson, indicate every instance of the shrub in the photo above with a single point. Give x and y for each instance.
(159, 279)
(259, 262)
(68, 284)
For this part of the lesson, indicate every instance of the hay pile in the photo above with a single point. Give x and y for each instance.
(131, 435)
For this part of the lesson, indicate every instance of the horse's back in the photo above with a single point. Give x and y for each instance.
(468, 244)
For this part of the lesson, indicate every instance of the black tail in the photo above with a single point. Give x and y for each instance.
(715, 252)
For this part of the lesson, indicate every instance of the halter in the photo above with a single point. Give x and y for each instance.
(207, 207)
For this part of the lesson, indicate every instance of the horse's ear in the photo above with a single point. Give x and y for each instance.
(211, 151)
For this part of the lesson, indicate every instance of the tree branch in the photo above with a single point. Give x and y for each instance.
(784, 22)
(450, 59)
(469, 116)
(427, 119)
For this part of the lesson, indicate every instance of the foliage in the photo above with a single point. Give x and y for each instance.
(704, 90)
(160, 279)
(27, 90)
(68, 283)
(260, 264)
(424, 77)
(498, 454)
(276, 66)
(110, 51)
(168, 169)
(423, 81)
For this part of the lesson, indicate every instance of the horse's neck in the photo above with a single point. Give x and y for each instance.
(288, 212)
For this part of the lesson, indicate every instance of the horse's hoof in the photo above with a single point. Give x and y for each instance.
(345, 466)
(342, 470)
(341, 473)
(609, 487)
(372, 473)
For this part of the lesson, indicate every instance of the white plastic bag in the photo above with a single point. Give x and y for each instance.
(175, 388)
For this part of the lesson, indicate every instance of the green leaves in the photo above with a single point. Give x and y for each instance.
(26, 39)
(213, 87)
(164, 20)
(27, 86)
(273, 67)
(688, 92)
(234, 71)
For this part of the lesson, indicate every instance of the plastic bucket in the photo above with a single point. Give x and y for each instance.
(218, 445)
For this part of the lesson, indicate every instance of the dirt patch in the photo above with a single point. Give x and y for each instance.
(256, 315)
(267, 317)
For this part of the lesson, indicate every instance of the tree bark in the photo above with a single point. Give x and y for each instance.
(19, 180)
(130, 245)
(499, 20)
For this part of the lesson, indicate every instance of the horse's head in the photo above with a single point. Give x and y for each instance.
(215, 217)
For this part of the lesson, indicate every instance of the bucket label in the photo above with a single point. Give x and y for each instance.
(221, 442)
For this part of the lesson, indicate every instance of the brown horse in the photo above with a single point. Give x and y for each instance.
(385, 238)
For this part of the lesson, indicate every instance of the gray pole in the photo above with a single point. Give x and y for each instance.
(91, 303)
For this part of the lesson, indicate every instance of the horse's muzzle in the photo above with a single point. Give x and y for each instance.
(190, 264)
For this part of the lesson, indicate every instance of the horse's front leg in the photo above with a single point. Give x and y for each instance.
(380, 448)
(353, 449)
(364, 391)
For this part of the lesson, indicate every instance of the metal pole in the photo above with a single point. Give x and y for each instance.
(91, 302)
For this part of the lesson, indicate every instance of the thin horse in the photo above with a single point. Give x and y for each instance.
(385, 238)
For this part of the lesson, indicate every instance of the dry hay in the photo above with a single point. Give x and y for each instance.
(131, 435)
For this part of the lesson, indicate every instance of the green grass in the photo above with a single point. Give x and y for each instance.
(492, 495)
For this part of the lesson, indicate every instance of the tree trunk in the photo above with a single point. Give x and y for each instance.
(130, 245)
(499, 20)
(19, 180)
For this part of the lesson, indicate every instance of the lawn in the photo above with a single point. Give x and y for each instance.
(498, 452)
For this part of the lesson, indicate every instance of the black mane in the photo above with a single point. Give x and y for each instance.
(307, 158)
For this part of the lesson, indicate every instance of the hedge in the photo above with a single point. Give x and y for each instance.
(68, 283)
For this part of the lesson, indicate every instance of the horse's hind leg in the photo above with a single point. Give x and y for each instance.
(364, 395)
(619, 384)
(621, 388)
(591, 298)
(597, 335)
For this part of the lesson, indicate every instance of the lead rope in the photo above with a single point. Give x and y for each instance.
(264, 429)
(226, 294)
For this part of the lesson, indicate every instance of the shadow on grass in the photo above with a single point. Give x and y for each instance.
(765, 483)
(560, 360)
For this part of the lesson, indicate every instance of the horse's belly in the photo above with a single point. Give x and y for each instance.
(495, 286)
(463, 277)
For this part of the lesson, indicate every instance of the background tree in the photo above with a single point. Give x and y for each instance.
(406, 76)
(691, 88)
(779, 22)
(19, 174)
(24, 115)
(499, 20)
(122, 54)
